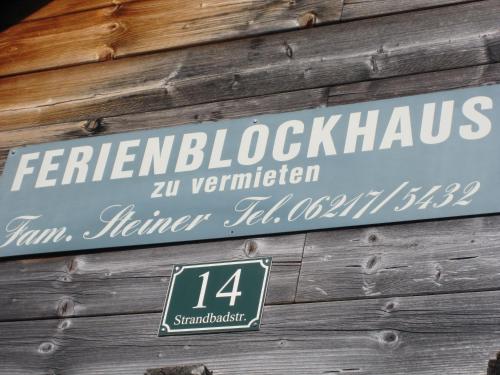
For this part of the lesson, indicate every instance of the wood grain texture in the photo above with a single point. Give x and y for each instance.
(436, 39)
(98, 312)
(131, 28)
(130, 281)
(59, 7)
(428, 335)
(254, 106)
(418, 258)
(180, 370)
(354, 9)
(414, 84)
(446, 256)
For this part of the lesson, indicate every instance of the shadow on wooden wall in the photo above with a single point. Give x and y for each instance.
(12, 12)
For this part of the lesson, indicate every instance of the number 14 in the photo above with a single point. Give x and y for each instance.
(235, 278)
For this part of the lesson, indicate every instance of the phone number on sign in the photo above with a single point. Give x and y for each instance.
(356, 207)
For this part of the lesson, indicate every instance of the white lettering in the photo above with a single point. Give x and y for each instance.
(156, 157)
(191, 148)
(23, 169)
(321, 135)
(122, 157)
(279, 153)
(444, 129)
(262, 133)
(400, 119)
(48, 166)
(483, 123)
(78, 160)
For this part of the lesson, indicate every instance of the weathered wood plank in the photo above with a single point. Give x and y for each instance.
(417, 258)
(414, 84)
(180, 370)
(254, 106)
(435, 39)
(288, 101)
(404, 259)
(135, 27)
(130, 281)
(354, 9)
(59, 7)
(428, 335)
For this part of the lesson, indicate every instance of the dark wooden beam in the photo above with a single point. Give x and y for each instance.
(180, 370)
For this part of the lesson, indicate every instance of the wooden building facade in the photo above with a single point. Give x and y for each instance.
(412, 298)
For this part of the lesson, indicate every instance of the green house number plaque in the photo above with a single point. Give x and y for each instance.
(216, 297)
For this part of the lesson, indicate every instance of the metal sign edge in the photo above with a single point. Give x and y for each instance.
(169, 332)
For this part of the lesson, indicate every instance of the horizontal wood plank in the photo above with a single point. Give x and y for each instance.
(288, 101)
(56, 8)
(254, 106)
(130, 281)
(136, 27)
(436, 39)
(354, 9)
(445, 256)
(351, 8)
(414, 84)
(427, 335)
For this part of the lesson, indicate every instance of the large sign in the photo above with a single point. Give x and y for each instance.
(418, 157)
(216, 297)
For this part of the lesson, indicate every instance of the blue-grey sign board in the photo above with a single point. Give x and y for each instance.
(418, 157)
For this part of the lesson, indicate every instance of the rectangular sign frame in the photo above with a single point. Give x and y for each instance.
(409, 158)
(252, 324)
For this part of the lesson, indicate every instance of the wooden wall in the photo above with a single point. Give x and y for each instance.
(417, 298)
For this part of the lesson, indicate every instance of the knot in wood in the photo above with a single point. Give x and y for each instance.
(372, 264)
(65, 324)
(494, 366)
(288, 50)
(308, 19)
(113, 26)
(46, 347)
(72, 265)
(66, 307)
(389, 338)
(105, 53)
(93, 126)
(250, 248)
(118, 5)
(283, 343)
(390, 306)
(66, 278)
